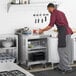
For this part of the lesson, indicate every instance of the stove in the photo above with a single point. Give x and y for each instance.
(5, 73)
(12, 73)
(17, 73)
(12, 69)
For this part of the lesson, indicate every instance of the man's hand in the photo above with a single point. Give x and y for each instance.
(40, 31)
(44, 29)
(74, 31)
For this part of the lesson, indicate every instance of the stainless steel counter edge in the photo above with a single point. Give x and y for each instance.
(34, 36)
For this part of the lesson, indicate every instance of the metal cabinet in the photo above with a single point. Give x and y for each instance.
(32, 50)
(53, 56)
(7, 48)
(74, 48)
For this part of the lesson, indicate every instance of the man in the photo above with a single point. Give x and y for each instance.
(64, 37)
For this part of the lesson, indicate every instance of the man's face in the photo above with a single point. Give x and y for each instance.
(50, 9)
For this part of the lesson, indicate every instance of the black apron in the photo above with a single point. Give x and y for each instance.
(61, 36)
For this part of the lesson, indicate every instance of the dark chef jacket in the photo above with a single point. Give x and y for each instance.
(59, 18)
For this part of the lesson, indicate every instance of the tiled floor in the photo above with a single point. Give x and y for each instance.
(54, 73)
(37, 68)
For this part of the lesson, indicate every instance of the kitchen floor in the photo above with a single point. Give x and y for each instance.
(38, 70)
(39, 67)
(54, 73)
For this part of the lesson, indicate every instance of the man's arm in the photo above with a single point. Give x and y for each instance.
(44, 29)
(47, 28)
(51, 24)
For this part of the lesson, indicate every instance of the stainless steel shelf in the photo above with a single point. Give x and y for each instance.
(8, 48)
(41, 47)
(36, 62)
(36, 51)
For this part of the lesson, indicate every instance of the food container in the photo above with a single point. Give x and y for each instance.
(7, 43)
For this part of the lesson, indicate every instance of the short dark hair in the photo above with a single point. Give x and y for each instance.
(50, 5)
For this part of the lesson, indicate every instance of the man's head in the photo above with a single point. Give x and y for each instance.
(50, 7)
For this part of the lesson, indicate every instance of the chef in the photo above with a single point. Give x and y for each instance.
(64, 37)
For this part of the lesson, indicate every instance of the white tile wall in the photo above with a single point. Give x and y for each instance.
(21, 16)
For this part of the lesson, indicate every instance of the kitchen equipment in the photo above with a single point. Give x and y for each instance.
(53, 56)
(40, 18)
(45, 18)
(17, 73)
(39, 56)
(24, 1)
(24, 30)
(30, 46)
(74, 47)
(13, 69)
(36, 53)
(7, 43)
(20, 2)
(15, 2)
(5, 73)
(6, 58)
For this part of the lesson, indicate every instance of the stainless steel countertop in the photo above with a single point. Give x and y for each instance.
(34, 36)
